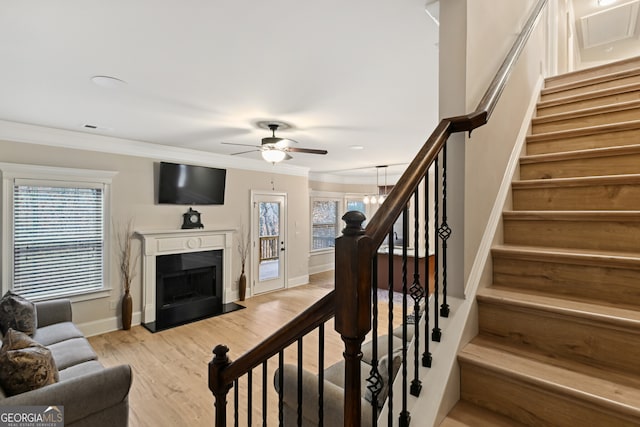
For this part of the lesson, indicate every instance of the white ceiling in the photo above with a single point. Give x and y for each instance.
(201, 72)
(198, 72)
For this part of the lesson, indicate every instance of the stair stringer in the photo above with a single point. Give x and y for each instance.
(441, 382)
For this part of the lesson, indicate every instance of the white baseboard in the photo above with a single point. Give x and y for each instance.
(297, 281)
(109, 324)
(322, 268)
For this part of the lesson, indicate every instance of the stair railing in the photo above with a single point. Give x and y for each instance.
(357, 267)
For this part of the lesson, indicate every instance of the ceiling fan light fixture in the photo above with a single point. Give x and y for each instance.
(273, 156)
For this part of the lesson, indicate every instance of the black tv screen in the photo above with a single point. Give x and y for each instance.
(190, 185)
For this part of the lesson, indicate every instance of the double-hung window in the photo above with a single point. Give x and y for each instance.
(59, 233)
(324, 223)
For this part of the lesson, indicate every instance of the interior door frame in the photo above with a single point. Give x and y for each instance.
(255, 257)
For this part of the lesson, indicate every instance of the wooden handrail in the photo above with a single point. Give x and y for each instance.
(399, 196)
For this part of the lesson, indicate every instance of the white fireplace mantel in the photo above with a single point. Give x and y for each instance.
(167, 242)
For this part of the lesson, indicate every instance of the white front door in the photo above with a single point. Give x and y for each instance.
(269, 241)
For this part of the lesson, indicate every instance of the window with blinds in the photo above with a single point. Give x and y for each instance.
(59, 239)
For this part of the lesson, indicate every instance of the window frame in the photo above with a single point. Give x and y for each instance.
(49, 175)
(319, 196)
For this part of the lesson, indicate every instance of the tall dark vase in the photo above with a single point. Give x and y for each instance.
(242, 285)
(127, 309)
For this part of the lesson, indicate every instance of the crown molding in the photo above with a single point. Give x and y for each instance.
(54, 137)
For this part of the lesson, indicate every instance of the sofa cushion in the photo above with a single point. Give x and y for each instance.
(71, 352)
(57, 332)
(383, 347)
(17, 313)
(24, 364)
(383, 369)
(80, 369)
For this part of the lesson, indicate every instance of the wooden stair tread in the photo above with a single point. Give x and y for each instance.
(596, 390)
(590, 130)
(590, 215)
(625, 179)
(623, 64)
(581, 154)
(585, 112)
(590, 95)
(591, 81)
(589, 311)
(466, 414)
(569, 256)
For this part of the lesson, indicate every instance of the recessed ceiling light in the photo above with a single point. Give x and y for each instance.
(108, 81)
(609, 49)
(605, 2)
(356, 147)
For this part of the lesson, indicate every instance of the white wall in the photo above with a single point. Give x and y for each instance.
(133, 196)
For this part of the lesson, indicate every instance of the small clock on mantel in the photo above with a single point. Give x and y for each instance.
(191, 219)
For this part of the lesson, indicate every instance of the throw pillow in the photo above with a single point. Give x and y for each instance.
(383, 369)
(24, 364)
(17, 313)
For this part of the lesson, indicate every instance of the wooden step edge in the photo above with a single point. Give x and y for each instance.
(601, 93)
(587, 112)
(598, 258)
(617, 75)
(584, 131)
(583, 181)
(601, 67)
(588, 312)
(584, 215)
(556, 380)
(468, 414)
(588, 153)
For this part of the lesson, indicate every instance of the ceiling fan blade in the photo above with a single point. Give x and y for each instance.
(241, 145)
(305, 150)
(243, 152)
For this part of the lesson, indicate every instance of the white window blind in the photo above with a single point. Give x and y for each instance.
(58, 240)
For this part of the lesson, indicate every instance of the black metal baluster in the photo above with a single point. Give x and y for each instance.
(374, 379)
(417, 293)
(405, 417)
(390, 331)
(321, 375)
(236, 402)
(426, 356)
(436, 333)
(280, 387)
(249, 396)
(444, 232)
(300, 381)
(264, 393)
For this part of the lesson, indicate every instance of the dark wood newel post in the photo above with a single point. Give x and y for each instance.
(353, 306)
(219, 389)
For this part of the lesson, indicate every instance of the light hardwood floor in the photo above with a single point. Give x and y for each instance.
(170, 384)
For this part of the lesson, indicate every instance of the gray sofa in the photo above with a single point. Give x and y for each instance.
(91, 394)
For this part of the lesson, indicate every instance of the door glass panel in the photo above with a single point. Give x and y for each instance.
(269, 267)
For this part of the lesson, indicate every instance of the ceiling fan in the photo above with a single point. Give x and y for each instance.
(274, 149)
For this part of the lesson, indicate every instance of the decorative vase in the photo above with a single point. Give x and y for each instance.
(242, 285)
(127, 308)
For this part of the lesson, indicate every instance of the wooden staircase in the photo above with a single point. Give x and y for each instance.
(559, 330)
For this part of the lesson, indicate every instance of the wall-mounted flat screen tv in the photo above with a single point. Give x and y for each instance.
(190, 185)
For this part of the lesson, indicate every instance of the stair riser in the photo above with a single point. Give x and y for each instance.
(587, 103)
(585, 121)
(590, 88)
(585, 142)
(594, 197)
(584, 282)
(580, 167)
(620, 235)
(562, 336)
(530, 404)
(629, 64)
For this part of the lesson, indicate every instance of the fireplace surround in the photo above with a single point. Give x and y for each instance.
(194, 269)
